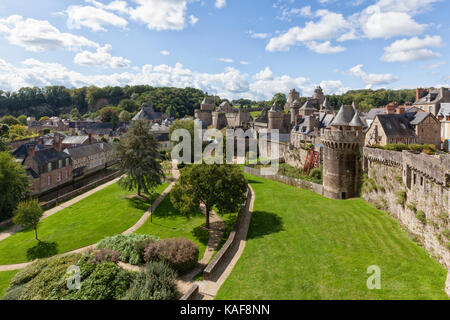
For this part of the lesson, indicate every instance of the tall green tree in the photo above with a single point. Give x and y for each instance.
(139, 159)
(280, 99)
(28, 214)
(222, 186)
(13, 183)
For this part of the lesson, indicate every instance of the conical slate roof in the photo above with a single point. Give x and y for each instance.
(326, 106)
(147, 112)
(356, 121)
(344, 116)
(275, 108)
(308, 105)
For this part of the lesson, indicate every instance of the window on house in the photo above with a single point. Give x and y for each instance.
(49, 167)
(67, 162)
(59, 164)
(49, 180)
(59, 177)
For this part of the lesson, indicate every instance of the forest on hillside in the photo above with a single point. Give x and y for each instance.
(175, 102)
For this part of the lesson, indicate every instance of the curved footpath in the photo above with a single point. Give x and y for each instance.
(208, 288)
(142, 220)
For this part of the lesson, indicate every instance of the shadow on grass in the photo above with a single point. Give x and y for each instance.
(264, 223)
(139, 203)
(201, 234)
(42, 250)
(250, 181)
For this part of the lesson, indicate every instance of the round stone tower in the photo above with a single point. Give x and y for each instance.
(342, 147)
(275, 117)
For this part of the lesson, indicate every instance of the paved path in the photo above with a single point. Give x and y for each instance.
(209, 288)
(14, 229)
(138, 224)
(217, 228)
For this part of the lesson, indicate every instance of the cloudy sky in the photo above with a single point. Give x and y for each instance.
(233, 48)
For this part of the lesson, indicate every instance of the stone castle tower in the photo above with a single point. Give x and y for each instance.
(342, 149)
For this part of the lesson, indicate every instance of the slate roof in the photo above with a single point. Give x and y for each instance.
(445, 110)
(275, 108)
(263, 117)
(344, 116)
(87, 150)
(356, 121)
(396, 125)
(75, 139)
(309, 104)
(22, 152)
(432, 97)
(31, 173)
(374, 112)
(416, 118)
(326, 106)
(45, 156)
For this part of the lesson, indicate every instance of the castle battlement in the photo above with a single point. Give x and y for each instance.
(341, 139)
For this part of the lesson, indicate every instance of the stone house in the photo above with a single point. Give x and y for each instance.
(444, 117)
(76, 141)
(397, 125)
(47, 168)
(430, 100)
(147, 113)
(90, 158)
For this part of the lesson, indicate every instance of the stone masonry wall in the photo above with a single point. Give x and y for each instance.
(413, 188)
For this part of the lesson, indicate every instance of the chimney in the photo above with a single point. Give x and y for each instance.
(31, 151)
(420, 93)
(400, 110)
(57, 144)
(390, 108)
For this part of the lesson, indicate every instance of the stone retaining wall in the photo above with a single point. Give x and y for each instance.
(308, 185)
(191, 293)
(232, 241)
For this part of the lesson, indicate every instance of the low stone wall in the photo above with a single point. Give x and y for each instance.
(5, 222)
(49, 204)
(232, 241)
(308, 185)
(191, 293)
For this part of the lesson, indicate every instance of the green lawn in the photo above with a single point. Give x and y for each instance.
(169, 223)
(105, 213)
(304, 246)
(5, 279)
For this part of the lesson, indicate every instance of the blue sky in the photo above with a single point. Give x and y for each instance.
(234, 48)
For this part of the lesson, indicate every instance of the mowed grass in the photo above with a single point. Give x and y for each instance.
(5, 279)
(304, 246)
(105, 213)
(168, 222)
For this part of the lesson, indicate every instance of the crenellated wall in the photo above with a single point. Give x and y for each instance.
(414, 188)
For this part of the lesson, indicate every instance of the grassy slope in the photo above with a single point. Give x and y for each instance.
(102, 214)
(169, 223)
(5, 279)
(304, 246)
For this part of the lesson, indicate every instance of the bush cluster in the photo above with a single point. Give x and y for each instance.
(130, 247)
(157, 282)
(180, 253)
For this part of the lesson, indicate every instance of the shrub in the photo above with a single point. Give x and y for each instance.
(131, 247)
(421, 216)
(412, 207)
(316, 173)
(401, 197)
(13, 293)
(416, 147)
(157, 282)
(181, 254)
(106, 282)
(104, 255)
(446, 234)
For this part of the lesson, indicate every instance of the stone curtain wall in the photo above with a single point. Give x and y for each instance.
(317, 188)
(413, 188)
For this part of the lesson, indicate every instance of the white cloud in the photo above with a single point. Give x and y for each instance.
(226, 60)
(93, 18)
(221, 4)
(372, 79)
(390, 24)
(231, 83)
(193, 20)
(164, 52)
(258, 35)
(411, 6)
(117, 5)
(412, 49)
(40, 35)
(244, 63)
(101, 57)
(161, 15)
(328, 27)
(324, 47)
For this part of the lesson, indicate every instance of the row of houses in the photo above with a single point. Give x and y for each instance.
(51, 166)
